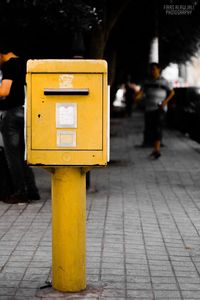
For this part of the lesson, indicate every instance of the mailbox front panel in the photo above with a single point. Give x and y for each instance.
(67, 113)
(71, 120)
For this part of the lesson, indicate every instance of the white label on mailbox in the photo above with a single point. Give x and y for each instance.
(66, 138)
(66, 115)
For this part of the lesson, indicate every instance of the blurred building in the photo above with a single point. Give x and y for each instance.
(184, 75)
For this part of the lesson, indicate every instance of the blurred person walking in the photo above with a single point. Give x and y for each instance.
(129, 98)
(12, 98)
(156, 92)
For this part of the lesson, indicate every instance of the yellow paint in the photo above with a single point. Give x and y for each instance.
(67, 134)
(45, 145)
(68, 158)
(68, 229)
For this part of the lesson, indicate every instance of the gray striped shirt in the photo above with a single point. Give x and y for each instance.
(155, 91)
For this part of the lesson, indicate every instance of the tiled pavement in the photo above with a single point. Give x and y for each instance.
(143, 226)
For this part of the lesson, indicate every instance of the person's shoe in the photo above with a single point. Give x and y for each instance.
(4, 199)
(155, 155)
(17, 198)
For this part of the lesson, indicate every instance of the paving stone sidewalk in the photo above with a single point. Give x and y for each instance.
(143, 226)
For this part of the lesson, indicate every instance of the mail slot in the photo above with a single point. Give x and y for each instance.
(66, 92)
(67, 112)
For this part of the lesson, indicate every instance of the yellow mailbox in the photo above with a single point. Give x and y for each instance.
(67, 128)
(67, 112)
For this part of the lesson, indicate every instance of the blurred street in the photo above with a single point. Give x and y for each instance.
(143, 225)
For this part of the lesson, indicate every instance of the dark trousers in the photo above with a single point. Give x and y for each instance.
(12, 129)
(153, 126)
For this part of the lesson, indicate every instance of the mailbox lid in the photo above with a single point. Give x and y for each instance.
(66, 65)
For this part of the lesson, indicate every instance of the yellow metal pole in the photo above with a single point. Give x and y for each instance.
(69, 229)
